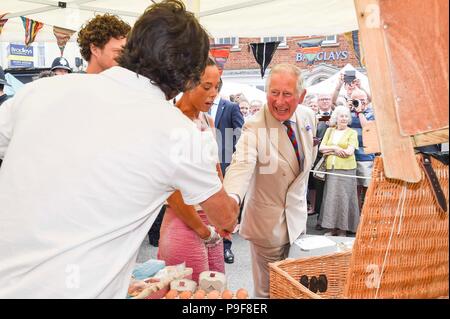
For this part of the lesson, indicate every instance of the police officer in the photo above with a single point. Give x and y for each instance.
(60, 66)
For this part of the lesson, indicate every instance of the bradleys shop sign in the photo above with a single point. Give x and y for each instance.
(21, 56)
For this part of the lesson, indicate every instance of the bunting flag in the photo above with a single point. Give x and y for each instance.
(310, 48)
(62, 36)
(2, 21)
(220, 54)
(263, 53)
(32, 27)
(352, 38)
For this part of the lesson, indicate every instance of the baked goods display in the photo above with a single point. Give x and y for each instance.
(157, 286)
(174, 282)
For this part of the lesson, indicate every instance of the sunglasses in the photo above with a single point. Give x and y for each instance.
(315, 284)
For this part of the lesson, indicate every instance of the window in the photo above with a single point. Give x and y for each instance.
(330, 40)
(283, 41)
(234, 41)
(41, 55)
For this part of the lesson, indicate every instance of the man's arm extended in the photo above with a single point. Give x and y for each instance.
(222, 210)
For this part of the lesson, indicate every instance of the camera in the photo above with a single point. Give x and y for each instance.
(349, 76)
(356, 103)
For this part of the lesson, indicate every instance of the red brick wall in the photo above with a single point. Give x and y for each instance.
(244, 59)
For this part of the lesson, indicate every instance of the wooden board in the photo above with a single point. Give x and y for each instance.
(372, 145)
(397, 150)
(416, 35)
(370, 138)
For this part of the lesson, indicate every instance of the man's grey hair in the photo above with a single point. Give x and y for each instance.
(324, 95)
(340, 109)
(287, 68)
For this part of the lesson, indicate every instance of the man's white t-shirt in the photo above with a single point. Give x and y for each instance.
(88, 162)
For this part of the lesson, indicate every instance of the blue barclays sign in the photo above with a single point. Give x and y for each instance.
(324, 56)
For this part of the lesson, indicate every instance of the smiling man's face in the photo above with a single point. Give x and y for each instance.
(282, 96)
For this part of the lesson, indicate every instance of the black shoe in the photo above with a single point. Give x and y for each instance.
(319, 227)
(228, 256)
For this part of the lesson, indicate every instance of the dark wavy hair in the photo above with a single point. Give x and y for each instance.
(169, 46)
(99, 31)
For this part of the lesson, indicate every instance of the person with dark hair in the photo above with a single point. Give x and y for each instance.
(193, 240)
(44, 74)
(3, 82)
(185, 56)
(101, 41)
(84, 177)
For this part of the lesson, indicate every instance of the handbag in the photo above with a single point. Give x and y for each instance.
(320, 168)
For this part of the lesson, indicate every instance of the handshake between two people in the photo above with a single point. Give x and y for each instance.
(221, 210)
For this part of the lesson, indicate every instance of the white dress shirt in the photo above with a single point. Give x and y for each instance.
(214, 107)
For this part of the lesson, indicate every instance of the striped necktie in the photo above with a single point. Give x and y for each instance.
(291, 135)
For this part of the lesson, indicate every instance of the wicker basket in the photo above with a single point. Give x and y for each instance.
(400, 250)
(285, 276)
(401, 247)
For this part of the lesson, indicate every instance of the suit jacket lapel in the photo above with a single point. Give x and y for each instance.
(281, 141)
(219, 113)
(305, 137)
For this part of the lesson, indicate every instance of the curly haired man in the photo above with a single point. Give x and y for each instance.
(101, 41)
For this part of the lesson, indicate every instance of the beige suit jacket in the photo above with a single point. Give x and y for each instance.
(265, 170)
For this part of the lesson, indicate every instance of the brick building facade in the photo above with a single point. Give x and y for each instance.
(334, 54)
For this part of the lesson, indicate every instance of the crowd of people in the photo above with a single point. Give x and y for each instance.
(339, 199)
(84, 178)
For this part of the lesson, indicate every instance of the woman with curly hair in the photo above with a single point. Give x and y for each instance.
(101, 41)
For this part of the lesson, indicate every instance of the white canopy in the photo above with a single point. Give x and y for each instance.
(250, 92)
(328, 85)
(251, 18)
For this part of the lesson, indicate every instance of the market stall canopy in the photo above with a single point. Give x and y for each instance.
(253, 18)
(251, 93)
(329, 84)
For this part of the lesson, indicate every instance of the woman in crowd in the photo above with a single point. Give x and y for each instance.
(244, 106)
(340, 211)
(193, 240)
(313, 103)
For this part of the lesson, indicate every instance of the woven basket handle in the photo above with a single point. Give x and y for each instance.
(425, 163)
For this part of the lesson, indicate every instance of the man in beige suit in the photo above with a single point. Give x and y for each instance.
(271, 168)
